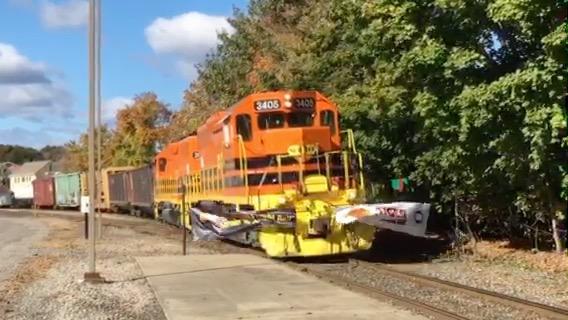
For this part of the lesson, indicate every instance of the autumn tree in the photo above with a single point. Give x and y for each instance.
(141, 128)
(76, 157)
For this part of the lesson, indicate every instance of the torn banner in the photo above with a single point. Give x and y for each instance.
(206, 226)
(406, 217)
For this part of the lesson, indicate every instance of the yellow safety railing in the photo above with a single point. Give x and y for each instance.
(361, 176)
(350, 140)
(346, 160)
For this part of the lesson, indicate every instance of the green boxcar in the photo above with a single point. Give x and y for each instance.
(68, 190)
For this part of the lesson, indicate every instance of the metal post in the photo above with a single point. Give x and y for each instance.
(183, 218)
(92, 275)
(99, 118)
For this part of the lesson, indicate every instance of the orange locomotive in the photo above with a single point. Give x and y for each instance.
(273, 168)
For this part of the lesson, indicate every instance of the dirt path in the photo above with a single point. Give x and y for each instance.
(17, 235)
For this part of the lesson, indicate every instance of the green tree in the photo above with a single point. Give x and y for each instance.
(464, 96)
(18, 154)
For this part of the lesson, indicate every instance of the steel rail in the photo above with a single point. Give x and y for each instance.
(539, 308)
(377, 293)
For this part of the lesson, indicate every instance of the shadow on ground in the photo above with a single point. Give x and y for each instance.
(394, 247)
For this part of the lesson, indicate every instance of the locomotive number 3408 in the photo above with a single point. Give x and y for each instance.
(265, 105)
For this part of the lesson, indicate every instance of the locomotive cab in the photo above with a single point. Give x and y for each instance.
(288, 137)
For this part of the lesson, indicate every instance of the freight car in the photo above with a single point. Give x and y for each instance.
(67, 190)
(132, 191)
(141, 191)
(103, 187)
(118, 191)
(273, 171)
(44, 192)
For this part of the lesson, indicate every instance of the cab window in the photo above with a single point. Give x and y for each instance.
(270, 120)
(162, 162)
(244, 127)
(327, 119)
(300, 119)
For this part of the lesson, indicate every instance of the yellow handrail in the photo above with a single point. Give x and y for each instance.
(346, 168)
(279, 164)
(350, 140)
(327, 170)
(361, 176)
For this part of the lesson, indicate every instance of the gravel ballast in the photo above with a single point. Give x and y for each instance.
(514, 280)
(462, 304)
(61, 293)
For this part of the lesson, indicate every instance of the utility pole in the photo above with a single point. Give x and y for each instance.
(98, 188)
(92, 276)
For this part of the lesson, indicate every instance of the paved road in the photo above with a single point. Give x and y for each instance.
(17, 236)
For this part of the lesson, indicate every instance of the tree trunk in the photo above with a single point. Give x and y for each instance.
(558, 239)
(472, 238)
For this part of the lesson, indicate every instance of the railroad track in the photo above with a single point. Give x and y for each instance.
(377, 293)
(538, 308)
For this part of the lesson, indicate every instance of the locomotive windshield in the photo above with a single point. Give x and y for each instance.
(271, 120)
(327, 118)
(300, 119)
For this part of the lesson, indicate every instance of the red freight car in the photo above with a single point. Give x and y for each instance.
(44, 192)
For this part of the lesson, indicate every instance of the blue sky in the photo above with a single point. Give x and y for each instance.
(148, 45)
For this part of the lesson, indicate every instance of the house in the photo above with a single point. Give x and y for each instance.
(5, 171)
(21, 179)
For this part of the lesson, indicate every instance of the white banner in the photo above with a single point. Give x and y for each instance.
(406, 217)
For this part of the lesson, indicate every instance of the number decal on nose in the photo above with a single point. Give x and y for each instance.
(266, 105)
(304, 103)
(298, 150)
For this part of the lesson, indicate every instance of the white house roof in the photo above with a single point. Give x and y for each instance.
(29, 168)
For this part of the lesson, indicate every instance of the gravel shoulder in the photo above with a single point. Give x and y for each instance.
(17, 235)
(49, 285)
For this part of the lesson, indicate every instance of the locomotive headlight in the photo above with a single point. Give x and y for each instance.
(282, 200)
(351, 194)
(418, 217)
(288, 100)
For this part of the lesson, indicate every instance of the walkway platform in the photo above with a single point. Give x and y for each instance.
(240, 286)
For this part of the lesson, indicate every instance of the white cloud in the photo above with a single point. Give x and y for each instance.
(110, 107)
(26, 90)
(73, 14)
(189, 37)
(15, 68)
